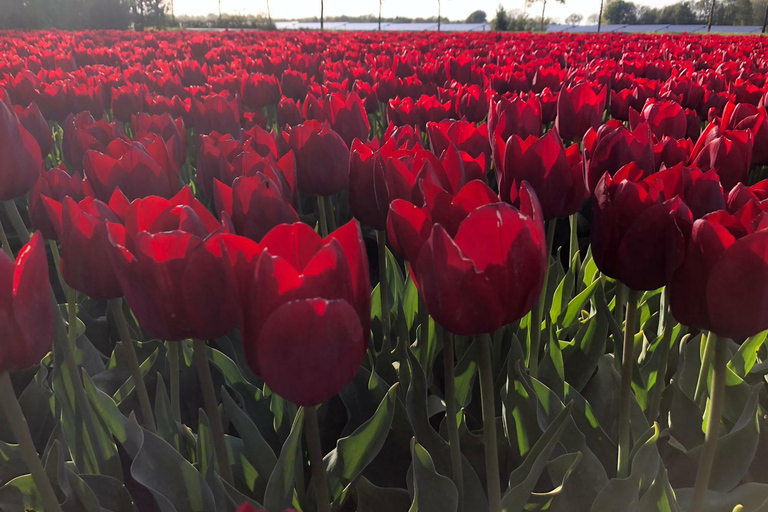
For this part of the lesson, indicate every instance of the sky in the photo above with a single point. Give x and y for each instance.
(452, 9)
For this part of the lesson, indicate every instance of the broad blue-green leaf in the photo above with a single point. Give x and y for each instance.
(111, 494)
(376, 499)
(432, 492)
(280, 488)
(128, 386)
(746, 357)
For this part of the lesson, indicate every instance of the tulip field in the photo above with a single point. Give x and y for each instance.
(383, 272)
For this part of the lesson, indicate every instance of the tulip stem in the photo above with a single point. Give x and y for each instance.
(316, 464)
(4, 241)
(133, 362)
(331, 220)
(712, 424)
(654, 401)
(322, 216)
(381, 239)
(424, 337)
(706, 362)
(627, 364)
(173, 362)
(574, 245)
(212, 408)
(489, 424)
(538, 310)
(16, 221)
(15, 417)
(450, 414)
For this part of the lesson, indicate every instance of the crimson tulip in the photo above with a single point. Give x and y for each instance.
(519, 116)
(613, 146)
(466, 136)
(309, 311)
(748, 117)
(579, 109)
(55, 184)
(259, 90)
(34, 122)
(26, 308)
(322, 159)
(663, 117)
(728, 152)
(22, 161)
(171, 130)
(347, 117)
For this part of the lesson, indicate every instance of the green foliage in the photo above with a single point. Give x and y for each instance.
(477, 17)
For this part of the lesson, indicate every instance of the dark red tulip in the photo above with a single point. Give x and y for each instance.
(748, 117)
(127, 101)
(217, 113)
(85, 248)
(294, 84)
(721, 283)
(728, 152)
(554, 173)
(137, 170)
(669, 152)
(348, 117)
(613, 146)
(261, 141)
(322, 159)
(34, 122)
(22, 162)
(175, 286)
(579, 109)
(520, 116)
(259, 90)
(54, 101)
(741, 194)
(26, 307)
(256, 204)
(55, 184)
(288, 113)
(83, 133)
(171, 130)
(466, 136)
(639, 229)
(471, 103)
(489, 273)
(369, 197)
(323, 282)
(663, 117)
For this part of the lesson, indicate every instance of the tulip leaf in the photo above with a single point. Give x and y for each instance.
(752, 496)
(20, 494)
(13, 464)
(111, 494)
(376, 499)
(128, 387)
(432, 492)
(561, 297)
(356, 451)
(523, 479)
(206, 458)
(746, 357)
(280, 488)
(660, 497)
(411, 303)
(561, 471)
(576, 305)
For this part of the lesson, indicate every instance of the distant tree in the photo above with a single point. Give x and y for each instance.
(110, 14)
(543, 7)
(620, 12)
(592, 19)
(477, 17)
(149, 13)
(501, 22)
(574, 19)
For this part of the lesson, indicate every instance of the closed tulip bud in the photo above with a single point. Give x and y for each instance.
(579, 109)
(748, 117)
(551, 170)
(34, 122)
(669, 152)
(322, 159)
(728, 152)
(639, 228)
(520, 116)
(464, 135)
(26, 307)
(308, 310)
(55, 184)
(613, 146)
(217, 113)
(259, 90)
(288, 113)
(127, 101)
(348, 117)
(22, 161)
(720, 285)
(171, 130)
(83, 133)
(665, 118)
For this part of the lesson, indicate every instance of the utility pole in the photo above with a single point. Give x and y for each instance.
(543, 6)
(322, 9)
(711, 16)
(438, 15)
(765, 20)
(219, 13)
(380, 2)
(600, 17)
(269, 13)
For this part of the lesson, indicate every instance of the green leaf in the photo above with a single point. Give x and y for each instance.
(279, 493)
(746, 357)
(126, 390)
(111, 493)
(376, 499)
(432, 492)
(752, 496)
(206, 457)
(523, 479)
(355, 452)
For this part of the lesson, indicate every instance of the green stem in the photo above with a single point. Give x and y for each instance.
(322, 216)
(381, 239)
(4, 241)
(450, 414)
(538, 310)
(16, 221)
(654, 402)
(699, 396)
(15, 417)
(627, 364)
(133, 362)
(312, 433)
(574, 246)
(173, 361)
(331, 217)
(424, 337)
(212, 408)
(489, 424)
(57, 262)
(712, 423)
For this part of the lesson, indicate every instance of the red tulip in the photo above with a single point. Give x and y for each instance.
(663, 117)
(217, 113)
(309, 312)
(612, 147)
(127, 101)
(728, 152)
(34, 122)
(552, 171)
(22, 161)
(261, 141)
(294, 84)
(579, 109)
(518, 116)
(741, 194)
(85, 248)
(471, 103)
(721, 283)
(288, 113)
(26, 308)
(466, 136)
(138, 170)
(322, 159)
(171, 130)
(83, 133)
(259, 90)
(748, 117)
(639, 228)
(669, 152)
(347, 117)
(55, 184)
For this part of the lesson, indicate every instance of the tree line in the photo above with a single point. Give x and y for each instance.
(727, 12)
(83, 14)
